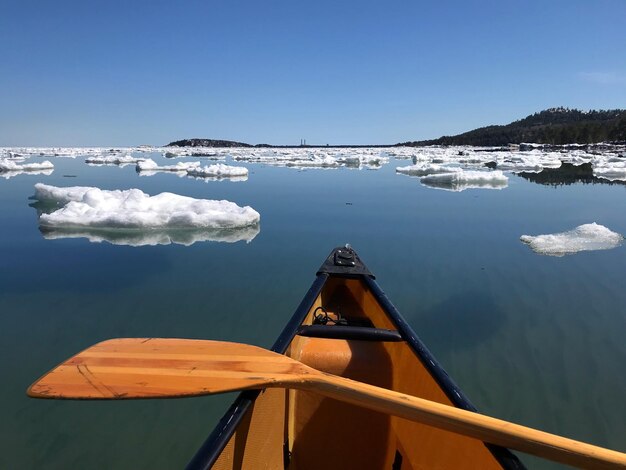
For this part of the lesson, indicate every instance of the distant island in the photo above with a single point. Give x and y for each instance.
(207, 143)
(554, 126)
(231, 143)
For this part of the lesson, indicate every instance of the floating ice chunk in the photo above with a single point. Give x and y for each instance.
(111, 159)
(587, 237)
(529, 162)
(520, 167)
(270, 158)
(151, 165)
(362, 160)
(175, 153)
(133, 209)
(11, 165)
(423, 169)
(210, 153)
(611, 172)
(317, 162)
(401, 154)
(218, 170)
(462, 180)
(576, 160)
(195, 169)
(155, 237)
(16, 157)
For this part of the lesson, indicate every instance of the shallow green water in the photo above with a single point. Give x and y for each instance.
(538, 340)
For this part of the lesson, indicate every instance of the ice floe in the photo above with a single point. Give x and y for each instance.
(211, 153)
(468, 179)
(194, 169)
(587, 237)
(534, 161)
(612, 171)
(423, 169)
(611, 174)
(218, 170)
(152, 166)
(12, 165)
(371, 161)
(112, 160)
(89, 208)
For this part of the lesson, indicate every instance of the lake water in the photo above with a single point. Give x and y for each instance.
(534, 339)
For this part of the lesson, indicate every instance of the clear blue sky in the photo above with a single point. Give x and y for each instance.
(131, 72)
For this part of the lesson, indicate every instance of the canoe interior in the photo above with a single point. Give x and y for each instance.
(300, 430)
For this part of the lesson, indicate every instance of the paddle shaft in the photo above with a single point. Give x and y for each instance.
(467, 423)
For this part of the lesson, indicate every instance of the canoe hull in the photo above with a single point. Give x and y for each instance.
(294, 429)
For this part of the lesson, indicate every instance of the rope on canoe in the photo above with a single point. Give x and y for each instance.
(324, 318)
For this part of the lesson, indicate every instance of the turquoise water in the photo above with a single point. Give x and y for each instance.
(534, 339)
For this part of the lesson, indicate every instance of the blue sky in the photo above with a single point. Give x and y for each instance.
(332, 72)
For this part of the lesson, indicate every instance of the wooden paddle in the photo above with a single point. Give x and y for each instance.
(165, 368)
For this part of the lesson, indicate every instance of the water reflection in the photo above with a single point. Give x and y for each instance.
(462, 180)
(10, 174)
(154, 237)
(567, 174)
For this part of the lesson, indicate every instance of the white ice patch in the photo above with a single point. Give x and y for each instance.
(91, 208)
(218, 170)
(611, 171)
(462, 180)
(12, 165)
(180, 167)
(532, 162)
(587, 237)
(111, 160)
(316, 162)
(211, 153)
(372, 161)
(423, 169)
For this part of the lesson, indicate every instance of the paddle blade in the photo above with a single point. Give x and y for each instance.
(164, 368)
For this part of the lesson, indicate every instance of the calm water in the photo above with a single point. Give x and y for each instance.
(538, 340)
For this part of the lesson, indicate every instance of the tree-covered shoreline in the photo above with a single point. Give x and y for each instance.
(555, 126)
